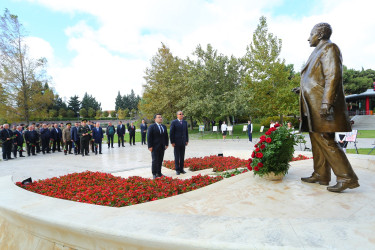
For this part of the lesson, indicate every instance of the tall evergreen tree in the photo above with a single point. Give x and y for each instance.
(118, 102)
(74, 104)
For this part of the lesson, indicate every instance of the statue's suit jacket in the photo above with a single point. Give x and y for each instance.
(321, 82)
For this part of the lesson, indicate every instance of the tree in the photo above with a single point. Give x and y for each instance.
(105, 114)
(118, 102)
(88, 101)
(164, 86)
(70, 113)
(356, 82)
(83, 112)
(90, 112)
(74, 104)
(121, 114)
(126, 112)
(113, 113)
(266, 78)
(19, 72)
(62, 113)
(213, 81)
(98, 114)
(52, 113)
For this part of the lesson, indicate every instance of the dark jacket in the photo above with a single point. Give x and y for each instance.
(179, 132)
(107, 130)
(155, 139)
(143, 128)
(45, 133)
(121, 131)
(4, 134)
(74, 133)
(56, 135)
(97, 135)
(131, 130)
(19, 139)
(31, 136)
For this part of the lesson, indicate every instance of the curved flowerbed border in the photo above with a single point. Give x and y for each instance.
(108, 190)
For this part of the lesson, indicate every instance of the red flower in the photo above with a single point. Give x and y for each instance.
(249, 168)
(259, 155)
(256, 168)
(253, 154)
(260, 164)
(262, 138)
(257, 150)
(268, 140)
(262, 146)
(277, 125)
(268, 132)
(250, 160)
(256, 145)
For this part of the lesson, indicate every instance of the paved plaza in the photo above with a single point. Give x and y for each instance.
(241, 212)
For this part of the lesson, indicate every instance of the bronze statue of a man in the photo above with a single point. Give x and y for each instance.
(323, 111)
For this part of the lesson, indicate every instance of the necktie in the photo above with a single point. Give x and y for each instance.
(180, 122)
(161, 129)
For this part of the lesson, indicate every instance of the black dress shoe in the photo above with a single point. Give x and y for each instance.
(177, 172)
(341, 186)
(183, 172)
(96, 153)
(160, 175)
(100, 153)
(5, 159)
(314, 179)
(22, 156)
(10, 158)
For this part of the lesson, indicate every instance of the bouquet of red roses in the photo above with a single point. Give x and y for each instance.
(273, 152)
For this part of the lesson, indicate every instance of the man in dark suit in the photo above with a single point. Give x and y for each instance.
(97, 136)
(6, 138)
(56, 136)
(45, 135)
(324, 112)
(120, 133)
(84, 133)
(179, 139)
(18, 142)
(131, 134)
(143, 131)
(75, 138)
(110, 131)
(31, 138)
(157, 138)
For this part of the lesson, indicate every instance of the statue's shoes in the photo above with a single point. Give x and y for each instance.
(341, 186)
(314, 179)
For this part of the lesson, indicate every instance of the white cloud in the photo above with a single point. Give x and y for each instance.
(114, 55)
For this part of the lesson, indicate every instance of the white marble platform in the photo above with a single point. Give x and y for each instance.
(242, 212)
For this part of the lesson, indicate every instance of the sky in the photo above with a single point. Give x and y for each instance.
(102, 47)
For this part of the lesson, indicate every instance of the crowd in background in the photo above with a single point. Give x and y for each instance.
(79, 139)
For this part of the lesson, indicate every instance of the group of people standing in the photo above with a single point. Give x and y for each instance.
(47, 138)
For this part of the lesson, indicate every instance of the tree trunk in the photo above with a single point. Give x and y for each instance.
(281, 119)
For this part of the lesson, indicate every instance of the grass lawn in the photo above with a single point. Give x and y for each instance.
(361, 151)
(366, 134)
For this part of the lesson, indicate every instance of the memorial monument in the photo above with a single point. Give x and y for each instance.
(323, 111)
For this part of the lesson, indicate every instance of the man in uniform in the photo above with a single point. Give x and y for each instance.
(67, 139)
(37, 129)
(84, 133)
(91, 126)
(6, 138)
(324, 112)
(110, 131)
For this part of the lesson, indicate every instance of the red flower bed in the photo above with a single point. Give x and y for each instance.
(300, 157)
(218, 163)
(108, 190)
